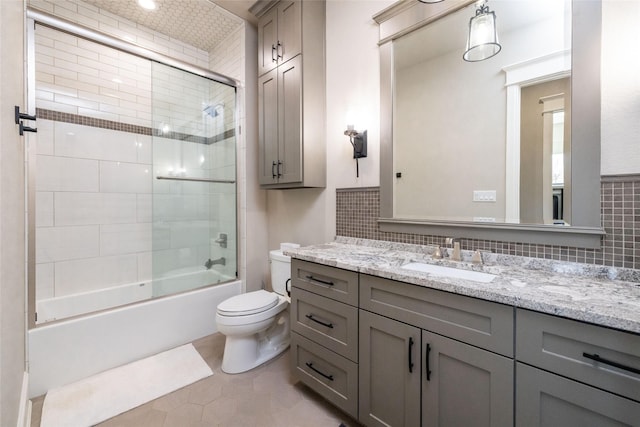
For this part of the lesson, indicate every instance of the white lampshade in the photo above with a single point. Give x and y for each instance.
(482, 42)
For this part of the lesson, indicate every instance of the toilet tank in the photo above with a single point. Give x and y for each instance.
(280, 271)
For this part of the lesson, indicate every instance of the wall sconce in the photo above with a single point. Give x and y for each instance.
(359, 142)
(482, 42)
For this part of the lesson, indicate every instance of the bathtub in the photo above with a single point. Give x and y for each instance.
(73, 349)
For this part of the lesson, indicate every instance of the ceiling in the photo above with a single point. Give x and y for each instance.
(200, 23)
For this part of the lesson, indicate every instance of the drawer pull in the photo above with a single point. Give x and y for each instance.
(410, 354)
(611, 363)
(324, 282)
(310, 365)
(427, 360)
(310, 317)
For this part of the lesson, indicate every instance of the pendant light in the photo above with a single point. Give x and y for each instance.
(482, 42)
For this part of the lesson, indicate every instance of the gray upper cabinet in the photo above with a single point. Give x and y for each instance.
(280, 101)
(279, 35)
(291, 94)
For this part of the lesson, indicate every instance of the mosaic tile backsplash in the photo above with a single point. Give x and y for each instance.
(358, 209)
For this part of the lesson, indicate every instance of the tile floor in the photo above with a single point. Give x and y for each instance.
(263, 397)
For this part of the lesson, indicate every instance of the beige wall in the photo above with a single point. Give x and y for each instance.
(620, 87)
(12, 242)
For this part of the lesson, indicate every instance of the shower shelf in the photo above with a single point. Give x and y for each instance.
(186, 178)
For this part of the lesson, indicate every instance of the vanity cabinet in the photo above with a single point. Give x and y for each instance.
(573, 373)
(291, 95)
(324, 332)
(389, 372)
(411, 370)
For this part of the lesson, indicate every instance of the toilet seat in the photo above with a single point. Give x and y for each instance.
(249, 303)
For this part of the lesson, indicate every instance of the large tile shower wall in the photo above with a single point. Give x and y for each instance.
(357, 211)
(94, 173)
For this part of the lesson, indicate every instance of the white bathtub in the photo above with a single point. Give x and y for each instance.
(69, 350)
(172, 282)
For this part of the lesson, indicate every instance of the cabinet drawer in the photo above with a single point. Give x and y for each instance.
(331, 282)
(330, 323)
(481, 323)
(330, 375)
(547, 400)
(567, 347)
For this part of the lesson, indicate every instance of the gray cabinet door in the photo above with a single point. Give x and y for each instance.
(268, 41)
(289, 30)
(289, 167)
(464, 385)
(547, 400)
(389, 389)
(268, 127)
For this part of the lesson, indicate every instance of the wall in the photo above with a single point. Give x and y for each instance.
(307, 216)
(237, 57)
(12, 209)
(620, 87)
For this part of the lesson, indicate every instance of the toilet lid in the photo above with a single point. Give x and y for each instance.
(249, 303)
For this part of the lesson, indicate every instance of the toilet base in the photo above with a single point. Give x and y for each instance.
(242, 353)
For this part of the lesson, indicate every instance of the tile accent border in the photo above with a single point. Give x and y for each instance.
(358, 209)
(57, 116)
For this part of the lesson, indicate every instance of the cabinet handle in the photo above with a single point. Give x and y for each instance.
(273, 170)
(279, 164)
(427, 362)
(310, 365)
(280, 48)
(611, 363)
(310, 317)
(410, 354)
(274, 55)
(324, 282)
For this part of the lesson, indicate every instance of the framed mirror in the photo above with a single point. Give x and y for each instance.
(502, 149)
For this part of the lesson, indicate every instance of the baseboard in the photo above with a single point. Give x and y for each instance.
(24, 412)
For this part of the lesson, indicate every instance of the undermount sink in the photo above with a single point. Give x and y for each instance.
(455, 273)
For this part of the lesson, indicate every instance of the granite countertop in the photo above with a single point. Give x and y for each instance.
(605, 296)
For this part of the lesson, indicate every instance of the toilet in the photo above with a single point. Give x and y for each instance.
(256, 324)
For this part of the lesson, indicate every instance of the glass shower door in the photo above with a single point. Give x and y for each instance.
(194, 187)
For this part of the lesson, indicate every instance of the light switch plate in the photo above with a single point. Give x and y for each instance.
(484, 195)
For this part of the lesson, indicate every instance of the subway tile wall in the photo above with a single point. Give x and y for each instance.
(94, 17)
(94, 224)
(357, 211)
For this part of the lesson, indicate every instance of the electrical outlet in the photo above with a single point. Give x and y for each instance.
(484, 196)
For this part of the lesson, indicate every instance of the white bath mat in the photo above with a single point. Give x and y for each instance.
(105, 395)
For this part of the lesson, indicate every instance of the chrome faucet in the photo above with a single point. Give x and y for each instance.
(211, 262)
(455, 254)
